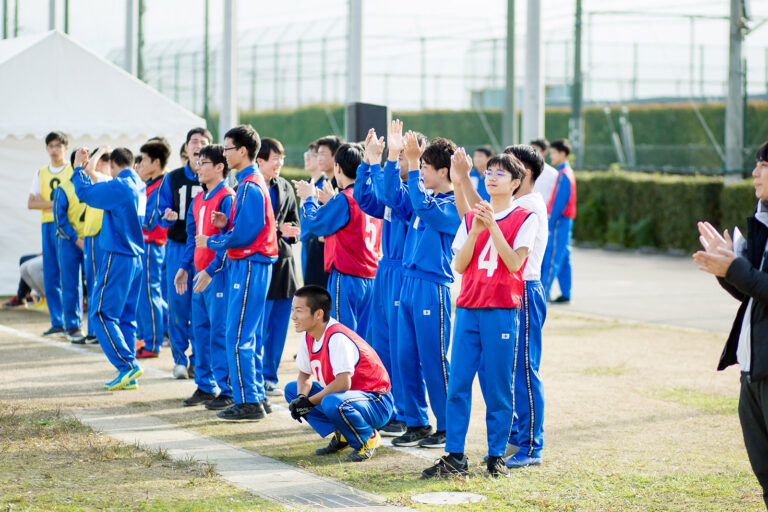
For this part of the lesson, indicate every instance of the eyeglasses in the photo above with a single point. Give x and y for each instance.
(200, 163)
(496, 173)
(231, 147)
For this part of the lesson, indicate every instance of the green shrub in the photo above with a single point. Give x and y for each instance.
(737, 202)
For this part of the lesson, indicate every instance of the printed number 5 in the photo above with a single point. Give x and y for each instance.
(489, 259)
(370, 240)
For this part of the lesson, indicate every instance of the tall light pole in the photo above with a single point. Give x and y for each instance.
(228, 115)
(51, 14)
(355, 52)
(576, 124)
(509, 117)
(533, 101)
(734, 106)
(129, 59)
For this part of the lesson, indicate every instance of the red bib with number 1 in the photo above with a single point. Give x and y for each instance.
(487, 282)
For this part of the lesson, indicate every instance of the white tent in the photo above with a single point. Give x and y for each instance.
(50, 82)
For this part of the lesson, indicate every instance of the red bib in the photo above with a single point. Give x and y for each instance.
(487, 282)
(355, 249)
(570, 209)
(370, 374)
(202, 209)
(158, 235)
(266, 241)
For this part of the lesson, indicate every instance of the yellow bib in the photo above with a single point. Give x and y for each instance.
(93, 218)
(76, 210)
(48, 182)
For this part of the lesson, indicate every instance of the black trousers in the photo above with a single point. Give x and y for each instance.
(753, 413)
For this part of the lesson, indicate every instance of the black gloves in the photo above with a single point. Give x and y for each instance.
(300, 406)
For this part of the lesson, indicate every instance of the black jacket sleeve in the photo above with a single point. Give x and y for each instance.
(748, 280)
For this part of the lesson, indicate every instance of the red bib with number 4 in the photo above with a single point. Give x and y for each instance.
(487, 282)
(356, 248)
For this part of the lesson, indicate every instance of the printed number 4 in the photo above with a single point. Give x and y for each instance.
(489, 259)
(370, 229)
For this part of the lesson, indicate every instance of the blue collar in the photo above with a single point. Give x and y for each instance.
(212, 192)
(562, 166)
(241, 175)
(188, 173)
(126, 173)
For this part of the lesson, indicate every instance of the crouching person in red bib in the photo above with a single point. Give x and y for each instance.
(350, 396)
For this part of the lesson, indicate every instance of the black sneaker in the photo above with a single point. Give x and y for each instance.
(56, 329)
(448, 465)
(412, 436)
(336, 444)
(191, 371)
(198, 398)
(220, 403)
(562, 300)
(394, 428)
(242, 412)
(497, 467)
(75, 335)
(266, 405)
(91, 340)
(436, 440)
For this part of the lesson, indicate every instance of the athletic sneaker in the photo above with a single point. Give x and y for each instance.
(75, 335)
(220, 403)
(57, 329)
(496, 467)
(336, 444)
(436, 440)
(561, 300)
(394, 428)
(521, 460)
(143, 353)
(365, 452)
(91, 340)
(247, 411)
(266, 405)
(123, 378)
(40, 305)
(180, 372)
(271, 389)
(412, 436)
(15, 302)
(448, 465)
(134, 384)
(198, 398)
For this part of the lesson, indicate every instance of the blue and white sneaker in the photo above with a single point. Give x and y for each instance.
(132, 385)
(521, 460)
(124, 378)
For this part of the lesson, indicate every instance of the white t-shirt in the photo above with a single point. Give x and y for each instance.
(342, 351)
(526, 236)
(545, 183)
(536, 204)
(34, 190)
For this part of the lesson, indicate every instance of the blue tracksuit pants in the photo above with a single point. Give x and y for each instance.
(351, 300)
(423, 337)
(482, 337)
(382, 327)
(164, 290)
(557, 258)
(91, 263)
(356, 414)
(151, 303)
(71, 272)
(528, 422)
(248, 285)
(209, 311)
(277, 315)
(179, 307)
(51, 275)
(116, 295)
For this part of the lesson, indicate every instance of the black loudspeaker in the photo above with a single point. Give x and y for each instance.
(361, 117)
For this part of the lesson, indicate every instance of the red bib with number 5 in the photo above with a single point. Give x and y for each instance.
(487, 282)
(356, 248)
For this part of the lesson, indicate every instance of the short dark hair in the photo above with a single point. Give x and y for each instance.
(332, 142)
(349, 156)
(215, 152)
(529, 157)
(541, 143)
(487, 150)
(244, 136)
(317, 298)
(438, 154)
(104, 156)
(562, 145)
(509, 163)
(199, 130)
(72, 156)
(762, 153)
(182, 151)
(156, 150)
(312, 146)
(137, 159)
(268, 145)
(59, 136)
(160, 138)
(121, 157)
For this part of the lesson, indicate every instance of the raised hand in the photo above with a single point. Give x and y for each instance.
(711, 240)
(413, 150)
(484, 213)
(326, 193)
(395, 140)
(374, 147)
(219, 219)
(81, 157)
(461, 165)
(304, 189)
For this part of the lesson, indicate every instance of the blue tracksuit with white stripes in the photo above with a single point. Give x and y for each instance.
(118, 281)
(152, 306)
(382, 328)
(557, 258)
(351, 296)
(248, 285)
(91, 263)
(209, 308)
(424, 317)
(70, 261)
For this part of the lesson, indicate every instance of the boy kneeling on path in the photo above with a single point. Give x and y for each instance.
(351, 397)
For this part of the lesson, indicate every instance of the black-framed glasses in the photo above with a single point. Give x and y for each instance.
(231, 147)
(201, 162)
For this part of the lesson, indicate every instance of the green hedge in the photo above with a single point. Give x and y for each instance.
(636, 210)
